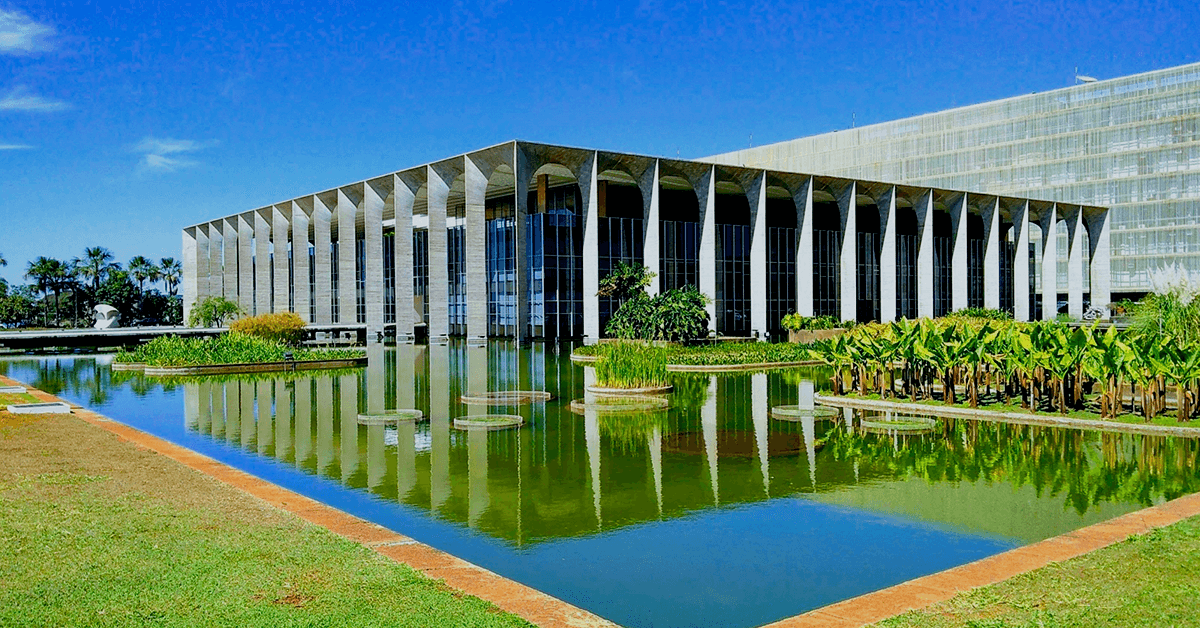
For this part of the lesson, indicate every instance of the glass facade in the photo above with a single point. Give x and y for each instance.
(1131, 143)
(781, 273)
(421, 273)
(554, 258)
(502, 266)
(389, 277)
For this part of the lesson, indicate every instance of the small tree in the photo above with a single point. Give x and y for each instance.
(212, 312)
(624, 281)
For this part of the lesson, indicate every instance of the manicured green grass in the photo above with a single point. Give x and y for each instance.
(230, 348)
(1147, 581)
(13, 398)
(98, 533)
(723, 353)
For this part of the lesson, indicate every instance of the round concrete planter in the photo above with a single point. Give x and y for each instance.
(904, 424)
(391, 417)
(128, 366)
(624, 404)
(797, 413)
(488, 422)
(256, 367)
(506, 398)
(618, 392)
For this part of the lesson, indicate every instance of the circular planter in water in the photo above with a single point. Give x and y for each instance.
(488, 422)
(799, 413)
(906, 424)
(391, 417)
(506, 398)
(613, 392)
(620, 404)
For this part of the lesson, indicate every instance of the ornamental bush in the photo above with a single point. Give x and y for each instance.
(674, 315)
(283, 327)
(797, 322)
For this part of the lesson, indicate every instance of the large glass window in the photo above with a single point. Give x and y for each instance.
(501, 266)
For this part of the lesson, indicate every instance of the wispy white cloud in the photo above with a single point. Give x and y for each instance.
(20, 35)
(167, 154)
(19, 99)
(15, 147)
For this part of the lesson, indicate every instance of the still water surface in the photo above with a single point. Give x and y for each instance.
(710, 513)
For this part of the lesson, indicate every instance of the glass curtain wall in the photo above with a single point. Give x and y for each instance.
(826, 259)
(620, 239)
(679, 243)
(502, 266)
(554, 258)
(456, 267)
(389, 277)
(781, 262)
(733, 265)
(421, 273)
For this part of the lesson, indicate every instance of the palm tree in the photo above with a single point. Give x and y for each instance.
(95, 265)
(141, 269)
(172, 272)
(47, 273)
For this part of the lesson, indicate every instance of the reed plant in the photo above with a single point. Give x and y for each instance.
(631, 365)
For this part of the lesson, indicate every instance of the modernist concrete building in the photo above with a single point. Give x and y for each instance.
(512, 241)
(1132, 144)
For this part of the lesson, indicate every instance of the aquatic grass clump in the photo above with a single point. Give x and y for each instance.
(229, 348)
(631, 365)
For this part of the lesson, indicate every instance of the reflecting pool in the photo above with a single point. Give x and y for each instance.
(715, 511)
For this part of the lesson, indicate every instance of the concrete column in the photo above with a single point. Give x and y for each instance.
(924, 210)
(958, 256)
(229, 239)
(189, 279)
(373, 242)
(588, 185)
(283, 276)
(403, 197)
(1020, 265)
(706, 194)
(262, 264)
(991, 254)
(651, 236)
(347, 236)
(756, 196)
(847, 201)
(522, 174)
(887, 255)
(475, 180)
(1075, 257)
(438, 191)
(1098, 227)
(201, 261)
(1049, 225)
(216, 256)
(803, 198)
(300, 262)
(322, 220)
(246, 264)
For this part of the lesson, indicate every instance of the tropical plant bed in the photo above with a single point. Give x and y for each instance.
(742, 355)
(230, 353)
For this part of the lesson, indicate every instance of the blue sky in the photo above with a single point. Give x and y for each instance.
(119, 125)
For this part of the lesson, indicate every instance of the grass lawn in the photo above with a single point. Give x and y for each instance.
(96, 532)
(1151, 580)
(14, 398)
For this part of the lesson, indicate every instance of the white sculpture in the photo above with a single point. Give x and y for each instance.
(107, 316)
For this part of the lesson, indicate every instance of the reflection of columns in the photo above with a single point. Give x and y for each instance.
(991, 253)
(325, 412)
(191, 406)
(808, 425)
(654, 444)
(437, 192)
(588, 184)
(248, 430)
(477, 475)
(283, 420)
(847, 201)
(439, 425)
(706, 194)
(322, 220)
(229, 245)
(347, 238)
(403, 197)
(265, 416)
(887, 255)
(300, 263)
(1075, 254)
(406, 458)
(848, 417)
(245, 241)
(708, 424)
(756, 195)
(807, 394)
(1100, 259)
(803, 198)
(373, 259)
(376, 377)
(217, 425)
(406, 374)
(1049, 225)
(651, 240)
(958, 255)
(924, 210)
(303, 420)
(1020, 262)
(758, 410)
(283, 275)
(475, 182)
(376, 460)
(591, 434)
(477, 369)
(348, 420)
(262, 264)
(233, 411)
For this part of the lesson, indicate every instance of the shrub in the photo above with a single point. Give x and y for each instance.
(982, 313)
(675, 315)
(625, 281)
(796, 322)
(230, 348)
(631, 365)
(212, 312)
(284, 327)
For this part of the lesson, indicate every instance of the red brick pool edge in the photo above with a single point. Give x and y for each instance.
(550, 612)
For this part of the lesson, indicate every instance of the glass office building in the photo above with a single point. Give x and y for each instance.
(1131, 144)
